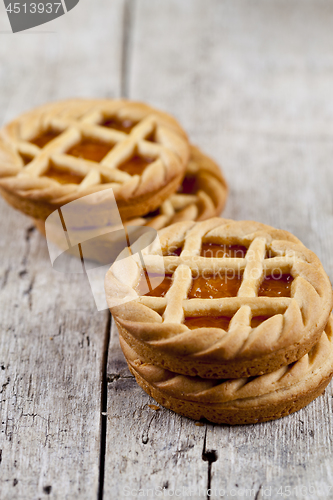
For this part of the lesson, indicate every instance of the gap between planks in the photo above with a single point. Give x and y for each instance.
(119, 379)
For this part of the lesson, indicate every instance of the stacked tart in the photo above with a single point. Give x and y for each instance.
(225, 320)
(63, 151)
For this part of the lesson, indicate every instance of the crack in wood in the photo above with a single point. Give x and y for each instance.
(33, 415)
(30, 386)
(28, 292)
(28, 234)
(4, 385)
(30, 287)
(258, 493)
(104, 405)
(209, 456)
(5, 277)
(47, 489)
(145, 434)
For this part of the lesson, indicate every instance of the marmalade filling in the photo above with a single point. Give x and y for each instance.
(208, 321)
(156, 288)
(90, 149)
(123, 125)
(44, 138)
(215, 286)
(26, 159)
(63, 176)
(189, 185)
(273, 286)
(223, 251)
(136, 165)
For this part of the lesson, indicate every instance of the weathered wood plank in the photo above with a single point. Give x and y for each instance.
(293, 454)
(147, 450)
(76, 55)
(52, 337)
(51, 350)
(252, 84)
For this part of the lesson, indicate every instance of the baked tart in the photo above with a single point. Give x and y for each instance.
(227, 299)
(65, 150)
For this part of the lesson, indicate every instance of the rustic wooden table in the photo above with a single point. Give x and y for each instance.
(252, 82)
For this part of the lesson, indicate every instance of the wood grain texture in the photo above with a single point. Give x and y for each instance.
(147, 449)
(51, 353)
(52, 337)
(252, 83)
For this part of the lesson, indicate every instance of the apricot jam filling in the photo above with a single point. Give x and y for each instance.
(215, 287)
(208, 321)
(123, 125)
(63, 176)
(26, 159)
(218, 322)
(276, 286)
(223, 251)
(189, 185)
(136, 165)
(90, 149)
(157, 288)
(257, 320)
(151, 137)
(44, 138)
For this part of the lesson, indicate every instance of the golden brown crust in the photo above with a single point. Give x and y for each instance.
(239, 401)
(154, 325)
(232, 416)
(196, 367)
(28, 189)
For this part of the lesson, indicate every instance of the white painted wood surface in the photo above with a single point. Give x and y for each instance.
(252, 83)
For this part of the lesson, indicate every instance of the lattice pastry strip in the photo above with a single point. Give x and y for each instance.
(288, 326)
(177, 293)
(123, 148)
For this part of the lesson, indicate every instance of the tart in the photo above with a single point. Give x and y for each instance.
(242, 400)
(62, 151)
(227, 299)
